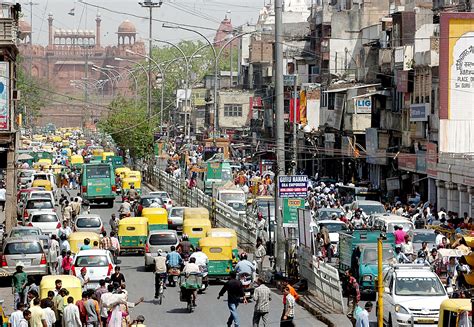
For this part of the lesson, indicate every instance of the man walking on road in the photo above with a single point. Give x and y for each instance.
(259, 254)
(262, 298)
(235, 292)
(363, 317)
(289, 309)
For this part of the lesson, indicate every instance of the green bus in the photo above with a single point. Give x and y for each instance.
(217, 174)
(98, 183)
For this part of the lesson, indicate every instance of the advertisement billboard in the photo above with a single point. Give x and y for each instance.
(419, 112)
(363, 105)
(456, 63)
(4, 96)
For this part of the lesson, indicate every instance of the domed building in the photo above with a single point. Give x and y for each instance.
(75, 60)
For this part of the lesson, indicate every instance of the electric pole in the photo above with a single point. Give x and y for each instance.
(31, 4)
(150, 5)
(279, 134)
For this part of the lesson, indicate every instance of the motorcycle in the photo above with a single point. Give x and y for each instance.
(173, 275)
(247, 284)
(205, 279)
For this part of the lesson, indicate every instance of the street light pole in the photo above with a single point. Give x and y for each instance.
(279, 133)
(150, 5)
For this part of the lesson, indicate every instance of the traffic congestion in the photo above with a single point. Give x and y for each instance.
(88, 223)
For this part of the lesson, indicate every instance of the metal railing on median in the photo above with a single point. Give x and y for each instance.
(221, 214)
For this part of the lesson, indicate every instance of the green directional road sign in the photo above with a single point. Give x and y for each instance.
(290, 211)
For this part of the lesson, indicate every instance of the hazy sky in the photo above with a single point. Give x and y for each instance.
(202, 13)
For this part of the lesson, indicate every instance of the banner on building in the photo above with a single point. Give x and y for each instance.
(456, 62)
(402, 80)
(407, 161)
(303, 119)
(293, 186)
(334, 118)
(4, 96)
(313, 112)
(392, 183)
(292, 110)
(363, 105)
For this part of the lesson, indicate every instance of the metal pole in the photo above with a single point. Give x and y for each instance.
(279, 133)
(150, 45)
(216, 122)
(295, 107)
(86, 94)
(230, 53)
(379, 282)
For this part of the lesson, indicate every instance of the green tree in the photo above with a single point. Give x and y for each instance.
(34, 92)
(129, 126)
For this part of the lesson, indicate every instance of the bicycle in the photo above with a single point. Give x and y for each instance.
(161, 288)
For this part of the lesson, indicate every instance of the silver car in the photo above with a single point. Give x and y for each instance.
(89, 223)
(159, 240)
(27, 250)
(175, 219)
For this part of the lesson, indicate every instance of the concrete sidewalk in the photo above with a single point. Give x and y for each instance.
(315, 306)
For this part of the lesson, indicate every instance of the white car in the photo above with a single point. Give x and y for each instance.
(42, 194)
(99, 264)
(412, 297)
(165, 198)
(89, 223)
(46, 220)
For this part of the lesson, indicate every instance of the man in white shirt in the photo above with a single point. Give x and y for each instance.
(17, 315)
(200, 257)
(362, 319)
(71, 317)
(191, 267)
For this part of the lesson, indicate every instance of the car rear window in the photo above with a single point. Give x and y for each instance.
(25, 232)
(88, 222)
(163, 239)
(39, 204)
(23, 248)
(177, 212)
(92, 261)
(146, 202)
(44, 218)
(41, 177)
(40, 195)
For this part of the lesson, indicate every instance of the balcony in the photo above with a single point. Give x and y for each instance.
(8, 32)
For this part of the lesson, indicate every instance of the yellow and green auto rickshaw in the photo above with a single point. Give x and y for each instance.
(97, 154)
(219, 253)
(127, 183)
(81, 144)
(65, 143)
(455, 313)
(132, 234)
(70, 282)
(157, 218)
(76, 240)
(107, 154)
(226, 233)
(46, 184)
(195, 213)
(133, 174)
(122, 171)
(77, 161)
(196, 229)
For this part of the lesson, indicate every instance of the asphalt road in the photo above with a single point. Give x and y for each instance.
(172, 313)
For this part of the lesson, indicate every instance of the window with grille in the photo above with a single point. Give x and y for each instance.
(232, 110)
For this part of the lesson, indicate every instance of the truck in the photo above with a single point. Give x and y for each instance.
(230, 192)
(217, 174)
(362, 244)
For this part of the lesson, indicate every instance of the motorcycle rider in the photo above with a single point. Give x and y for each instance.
(244, 266)
(201, 257)
(125, 208)
(173, 260)
(190, 268)
(132, 193)
(185, 247)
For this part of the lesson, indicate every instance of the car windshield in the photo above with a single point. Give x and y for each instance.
(177, 212)
(405, 225)
(237, 206)
(25, 232)
(39, 195)
(88, 222)
(26, 174)
(370, 255)
(23, 248)
(370, 209)
(419, 286)
(327, 214)
(163, 239)
(146, 202)
(235, 196)
(44, 218)
(41, 177)
(40, 204)
(424, 237)
(334, 228)
(92, 261)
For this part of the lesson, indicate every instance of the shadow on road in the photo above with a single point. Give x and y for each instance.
(178, 310)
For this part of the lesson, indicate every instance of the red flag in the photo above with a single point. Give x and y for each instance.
(292, 106)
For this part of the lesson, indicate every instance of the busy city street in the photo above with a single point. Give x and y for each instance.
(201, 163)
